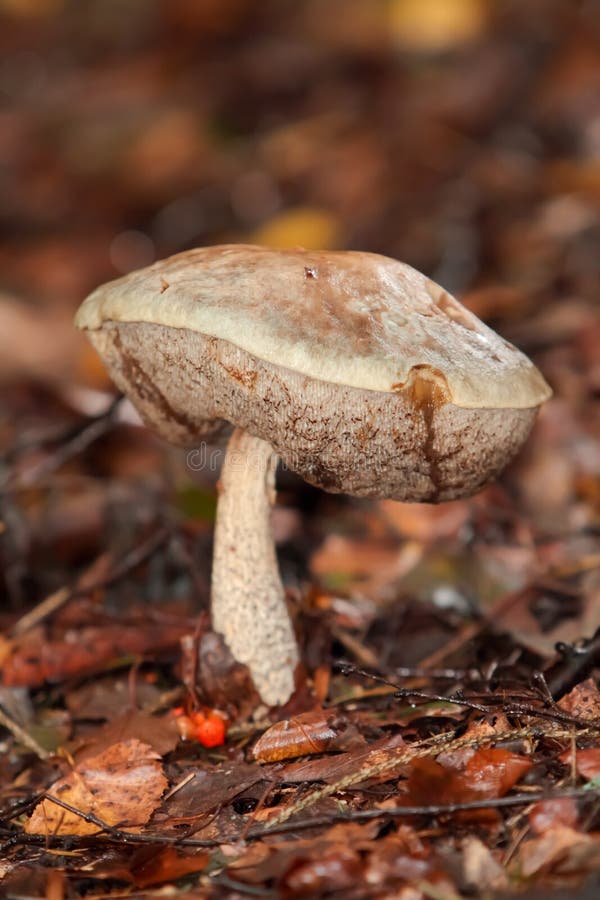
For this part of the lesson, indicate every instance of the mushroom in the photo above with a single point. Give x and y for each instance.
(361, 374)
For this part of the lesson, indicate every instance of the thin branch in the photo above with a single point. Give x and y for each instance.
(519, 704)
(136, 556)
(422, 749)
(88, 817)
(448, 809)
(22, 736)
(78, 440)
(110, 834)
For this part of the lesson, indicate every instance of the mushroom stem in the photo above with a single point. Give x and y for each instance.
(248, 600)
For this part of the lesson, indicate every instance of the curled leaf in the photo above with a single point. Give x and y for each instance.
(308, 733)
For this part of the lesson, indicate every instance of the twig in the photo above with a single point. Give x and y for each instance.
(443, 809)
(472, 629)
(110, 834)
(77, 441)
(49, 605)
(240, 887)
(365, 655)
(575, 662)
(180, 784)
(136, 556)
(518, 704)
(22, 736)
(88, 817)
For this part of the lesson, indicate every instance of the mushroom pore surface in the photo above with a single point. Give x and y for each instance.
(409, 444)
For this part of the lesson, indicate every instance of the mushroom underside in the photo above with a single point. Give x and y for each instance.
(406, 444)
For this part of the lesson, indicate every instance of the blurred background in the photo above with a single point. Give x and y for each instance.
(461, 136)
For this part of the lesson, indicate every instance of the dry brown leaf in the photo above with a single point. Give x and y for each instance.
(335, 767)
(159, 732)
(583, 701)
(372, 562)
(121, 786)
(544, 852)
(426, 522)
(480, 867)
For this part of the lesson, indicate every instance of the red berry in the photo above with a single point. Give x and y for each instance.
(210, 729)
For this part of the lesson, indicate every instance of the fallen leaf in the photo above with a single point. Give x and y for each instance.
(34, 658)
(493, 772)
(583, 701)
(480, 868)
(338, 870)
(158, 732)
(354, 558)
(433, 26)
(121, 786)
(211, 788)
(333, 768)
(424, 521)
(401, 855)
(488, 774)
(548, 814)
(110, 696)
(308, 227)
(168, 864)
(587, 762)
(545, 852)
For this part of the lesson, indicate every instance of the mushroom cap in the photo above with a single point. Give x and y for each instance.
(364, 375)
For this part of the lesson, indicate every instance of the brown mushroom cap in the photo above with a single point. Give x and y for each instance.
(364, 375)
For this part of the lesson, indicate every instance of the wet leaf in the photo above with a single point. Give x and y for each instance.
(587, 762)
(487, 774)
(168, 864)
(548, 814)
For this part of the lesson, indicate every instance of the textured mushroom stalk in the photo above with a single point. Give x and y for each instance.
(248, 600)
